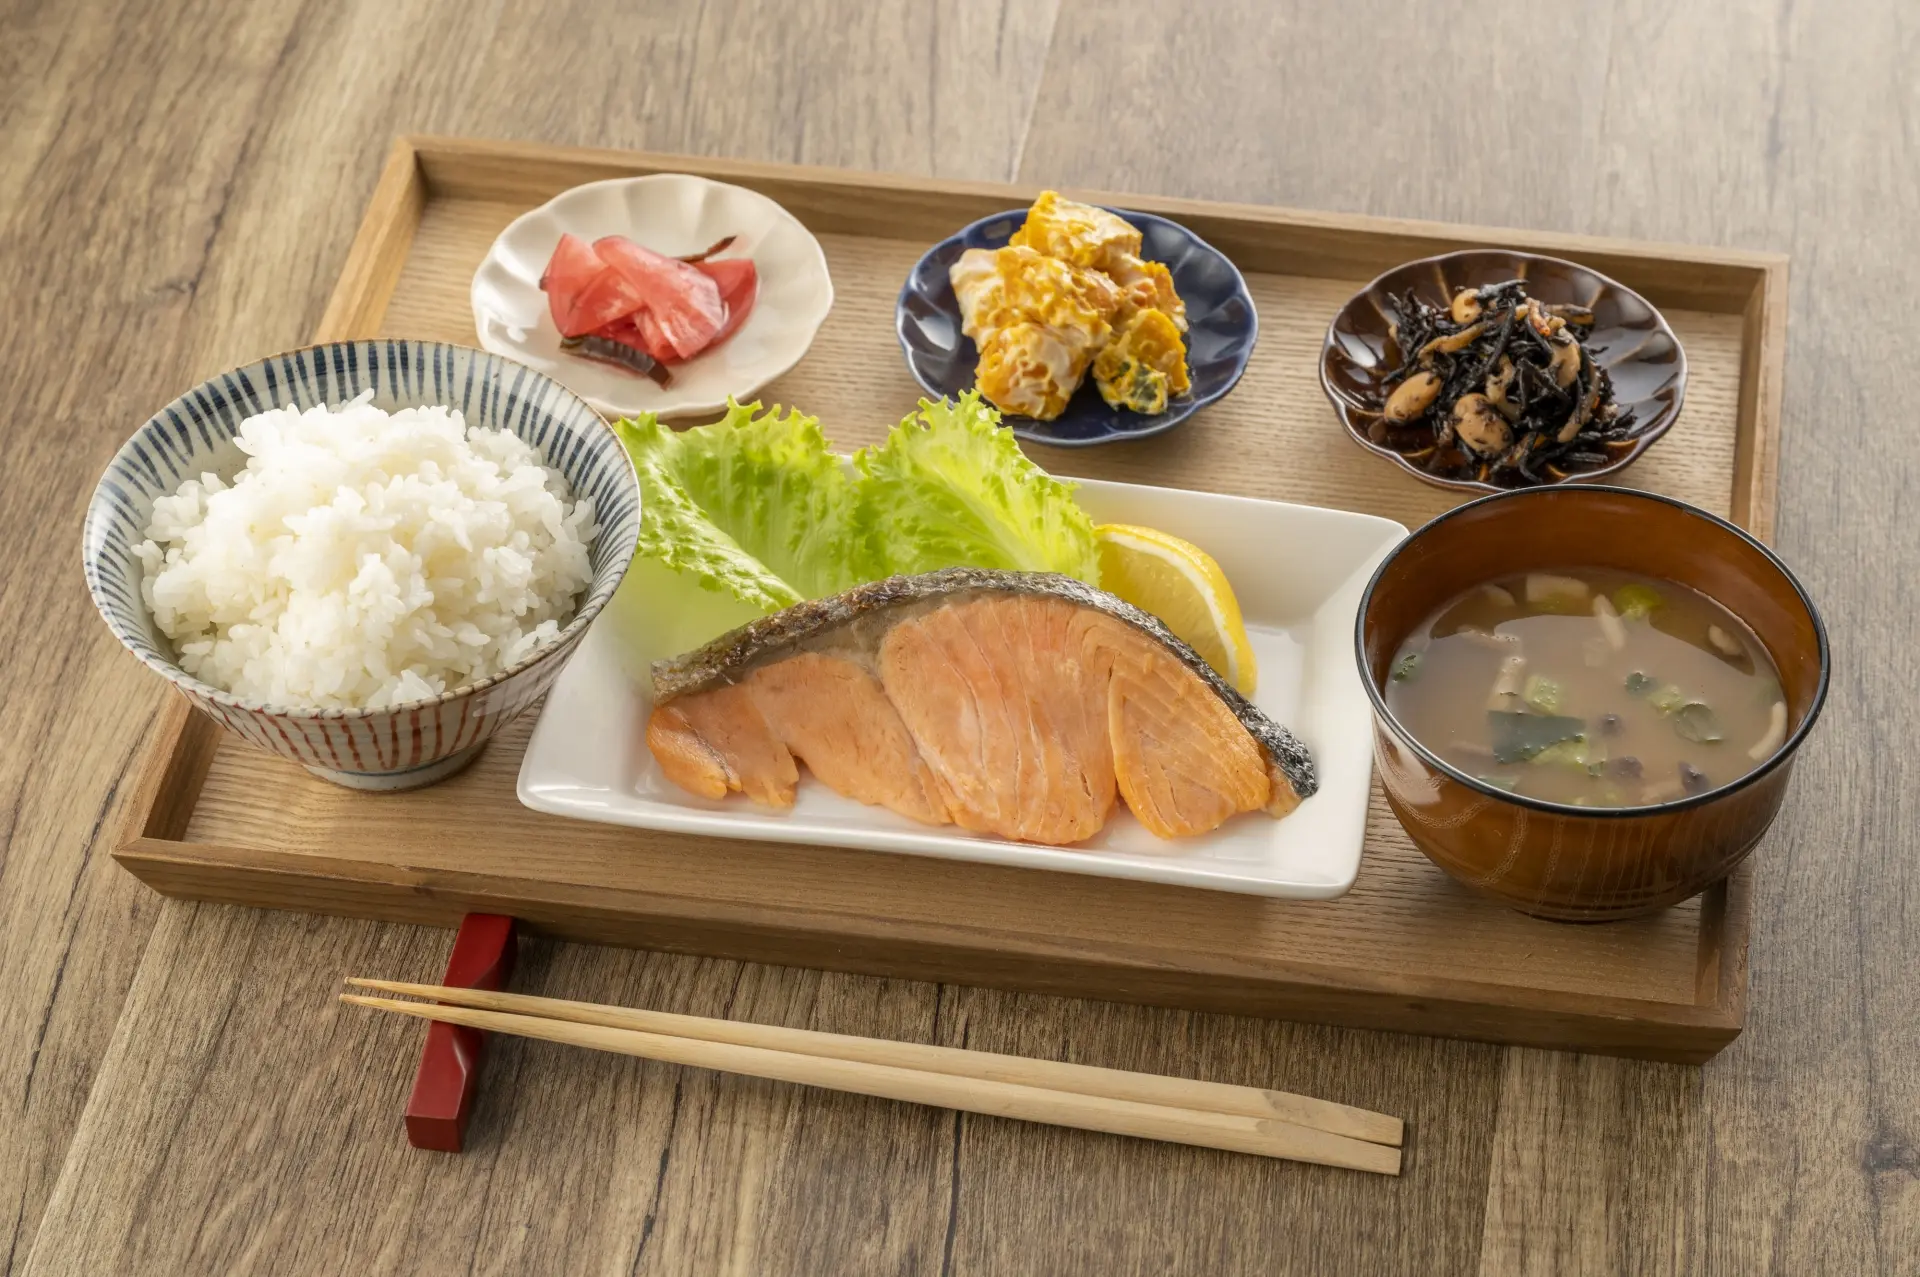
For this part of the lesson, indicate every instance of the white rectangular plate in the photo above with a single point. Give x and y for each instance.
(1298, 572)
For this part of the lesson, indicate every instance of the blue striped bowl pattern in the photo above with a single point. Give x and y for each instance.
(1222, 327)
(403, 746)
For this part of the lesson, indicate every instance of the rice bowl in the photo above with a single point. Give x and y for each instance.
(363, 559)
(397, 744)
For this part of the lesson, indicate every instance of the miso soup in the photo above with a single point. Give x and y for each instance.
(1591, 687)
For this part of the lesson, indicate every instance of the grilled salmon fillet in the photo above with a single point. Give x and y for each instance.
(1017, 704)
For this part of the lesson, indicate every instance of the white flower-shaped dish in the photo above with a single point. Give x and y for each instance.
(675, 214)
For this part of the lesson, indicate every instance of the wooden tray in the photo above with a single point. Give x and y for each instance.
(1407, 949)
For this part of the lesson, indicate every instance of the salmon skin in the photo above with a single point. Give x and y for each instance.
(1021, 704)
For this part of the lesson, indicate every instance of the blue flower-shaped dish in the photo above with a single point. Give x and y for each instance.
(1220, 317)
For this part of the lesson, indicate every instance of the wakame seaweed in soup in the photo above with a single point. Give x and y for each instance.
(1591, 687)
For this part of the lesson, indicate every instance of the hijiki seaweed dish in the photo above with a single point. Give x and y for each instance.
(1499, 388)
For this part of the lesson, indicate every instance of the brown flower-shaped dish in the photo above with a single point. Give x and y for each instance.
(1359, 363)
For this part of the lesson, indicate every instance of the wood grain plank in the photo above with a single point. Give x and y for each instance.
(359, 299)
(1813, 1131)
(583, 1163)
(129, 134)
(1796, 1151)
(927, 88)
(1594, 1168)
(1291, 105)
(1205, 1215)
(81, 148)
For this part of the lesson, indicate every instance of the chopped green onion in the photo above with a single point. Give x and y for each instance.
(1637, 602)
(1542, 693)
(1566, 753)
(1406, 668)
(1582, 752)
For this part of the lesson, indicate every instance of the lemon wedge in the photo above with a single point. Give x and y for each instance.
(1180, 583)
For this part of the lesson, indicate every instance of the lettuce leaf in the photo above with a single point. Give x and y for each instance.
(657, 612)
(756, 512)
(757, 507)
(951, 488)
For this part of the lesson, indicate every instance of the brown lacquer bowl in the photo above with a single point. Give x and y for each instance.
(1551, 859)
(1359, 364)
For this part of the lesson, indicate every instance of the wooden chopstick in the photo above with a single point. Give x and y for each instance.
(1267, 1137)
(1053, 1075)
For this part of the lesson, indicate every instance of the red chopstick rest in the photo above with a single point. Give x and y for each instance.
(449, 1074)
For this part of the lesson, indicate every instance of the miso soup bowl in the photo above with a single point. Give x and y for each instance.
(1553, 860)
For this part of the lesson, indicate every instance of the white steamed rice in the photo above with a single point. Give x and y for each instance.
(365, 559)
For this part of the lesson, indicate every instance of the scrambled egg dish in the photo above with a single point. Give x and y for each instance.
(1070, 293)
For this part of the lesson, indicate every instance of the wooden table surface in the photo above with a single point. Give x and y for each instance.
(179, 183)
